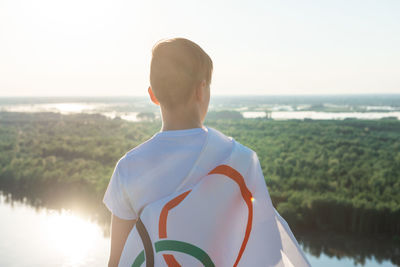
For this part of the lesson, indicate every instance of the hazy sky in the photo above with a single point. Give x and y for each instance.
(103, 47)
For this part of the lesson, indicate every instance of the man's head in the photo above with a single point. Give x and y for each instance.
(180, 71)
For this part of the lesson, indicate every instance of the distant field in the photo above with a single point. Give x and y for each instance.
(336, 175)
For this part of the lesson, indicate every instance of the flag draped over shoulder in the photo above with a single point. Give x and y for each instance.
(220, 215)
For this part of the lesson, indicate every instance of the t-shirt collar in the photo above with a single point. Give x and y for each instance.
(182, 132)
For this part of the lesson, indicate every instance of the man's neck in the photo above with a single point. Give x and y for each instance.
(180, 119)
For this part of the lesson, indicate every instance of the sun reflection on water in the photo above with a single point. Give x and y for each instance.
(71, 236)
(47, 237)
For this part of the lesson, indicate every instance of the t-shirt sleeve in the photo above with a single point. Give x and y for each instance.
(116, 199)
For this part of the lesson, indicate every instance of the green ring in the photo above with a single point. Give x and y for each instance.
(139, 260)
(179, 246)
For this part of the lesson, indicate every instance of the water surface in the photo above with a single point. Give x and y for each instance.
(46, 237)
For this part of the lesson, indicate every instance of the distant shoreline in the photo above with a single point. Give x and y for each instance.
(213, 95)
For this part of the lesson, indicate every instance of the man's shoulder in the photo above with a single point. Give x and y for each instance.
(141, 148)
(239, 150)
(238, 145)
(135, 154)
(218, 135)
(243, 154)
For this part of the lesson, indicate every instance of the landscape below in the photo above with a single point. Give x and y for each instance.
(335, 176)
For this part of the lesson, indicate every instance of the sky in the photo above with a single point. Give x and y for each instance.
(103, 47)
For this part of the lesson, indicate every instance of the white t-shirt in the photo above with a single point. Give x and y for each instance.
(152, 170)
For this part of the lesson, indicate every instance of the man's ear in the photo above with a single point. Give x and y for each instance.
(152, 96)
(200, 90)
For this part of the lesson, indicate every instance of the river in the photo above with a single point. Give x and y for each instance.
(38, 236)
(277, 112)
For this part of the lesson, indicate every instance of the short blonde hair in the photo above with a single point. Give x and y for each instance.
(178, 66)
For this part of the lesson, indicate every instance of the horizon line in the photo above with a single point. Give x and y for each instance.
(215, 95)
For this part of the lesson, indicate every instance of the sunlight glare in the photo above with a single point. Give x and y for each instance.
(72, 236)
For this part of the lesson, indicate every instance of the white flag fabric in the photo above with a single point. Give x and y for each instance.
(221, 215)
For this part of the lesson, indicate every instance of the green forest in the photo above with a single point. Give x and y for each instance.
(326, 175)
